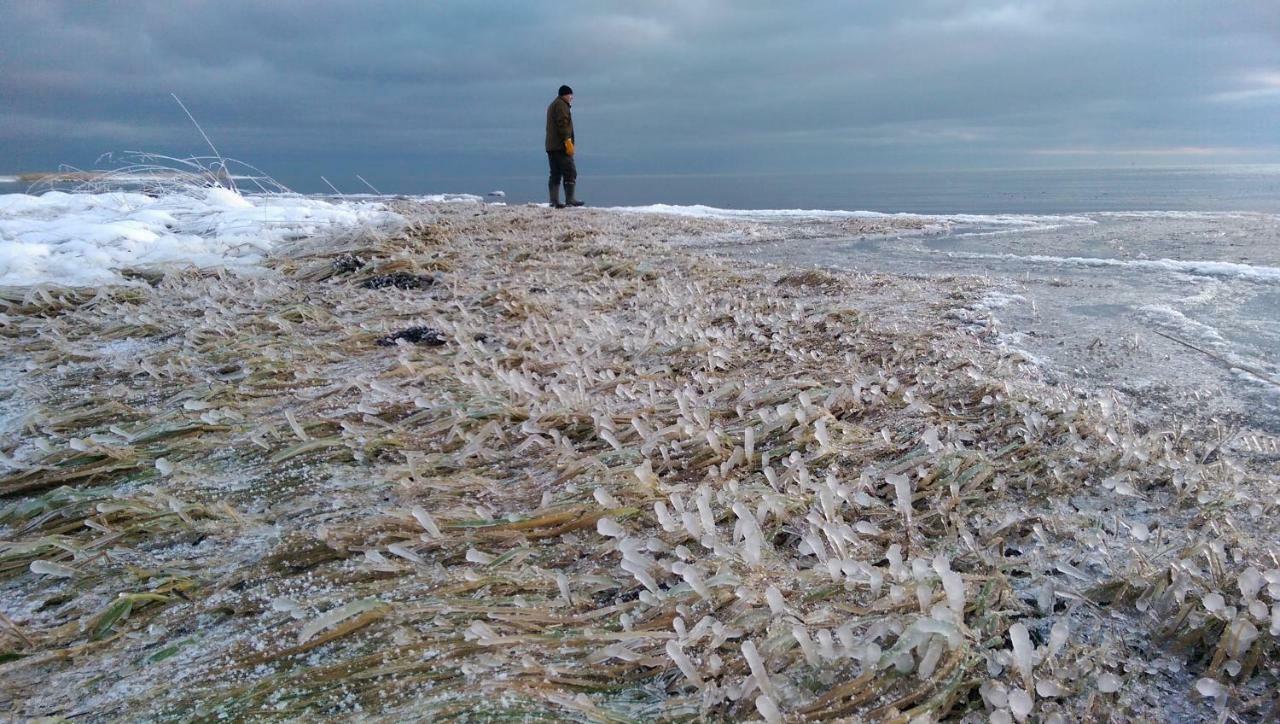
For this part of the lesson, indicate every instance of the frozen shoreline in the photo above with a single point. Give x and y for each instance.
(615, 458)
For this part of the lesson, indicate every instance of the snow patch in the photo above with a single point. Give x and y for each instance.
(999, 300)
(84, 239)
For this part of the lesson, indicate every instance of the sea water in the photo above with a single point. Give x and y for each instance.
(1237, 188)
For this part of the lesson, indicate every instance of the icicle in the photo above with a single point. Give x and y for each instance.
(820, 433)
(611, 439)
(931, 440)
(691, 526)
(810, 651)
(952, 584)
(929, 661)
(1022, 651)
(753, 539)
(826, 645)
(405, 553)
(644, 473)
(637, 570)
(335, 616)
(758, 670)
(685, 665)
(691, 576)
(426, 521)
(777, 604)
(1058, 637)
(768, 709)
(902, 486)
(707, 518)
(664, 517)
(562, 583)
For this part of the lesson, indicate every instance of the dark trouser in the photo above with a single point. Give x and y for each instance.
(562, 167)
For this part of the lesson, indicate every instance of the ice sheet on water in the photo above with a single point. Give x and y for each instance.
(84, 239)
(1226, 269)
(1013, 221)
(711, 212)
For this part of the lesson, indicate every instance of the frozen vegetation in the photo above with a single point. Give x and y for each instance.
(494, 462)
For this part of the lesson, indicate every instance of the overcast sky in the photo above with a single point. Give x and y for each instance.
(448, 94)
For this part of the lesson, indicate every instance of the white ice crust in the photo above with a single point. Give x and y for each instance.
(84, 239)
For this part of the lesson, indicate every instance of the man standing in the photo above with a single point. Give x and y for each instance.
(560, 149)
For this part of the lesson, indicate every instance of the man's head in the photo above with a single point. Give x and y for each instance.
(566, 93)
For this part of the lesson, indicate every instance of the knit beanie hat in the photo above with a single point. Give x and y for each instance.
(565, 91)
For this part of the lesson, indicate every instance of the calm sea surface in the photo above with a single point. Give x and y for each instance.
(1252, 188)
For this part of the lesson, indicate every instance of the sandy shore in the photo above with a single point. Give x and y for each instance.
(613, 480)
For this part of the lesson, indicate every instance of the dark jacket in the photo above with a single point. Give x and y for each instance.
(559, 124)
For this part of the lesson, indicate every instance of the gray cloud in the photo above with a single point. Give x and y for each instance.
(411, 92)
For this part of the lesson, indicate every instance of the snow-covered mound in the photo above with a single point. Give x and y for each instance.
(83, 239)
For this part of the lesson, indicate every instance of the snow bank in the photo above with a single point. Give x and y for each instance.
(82, 239)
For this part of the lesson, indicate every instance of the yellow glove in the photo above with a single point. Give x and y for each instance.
(568, 146)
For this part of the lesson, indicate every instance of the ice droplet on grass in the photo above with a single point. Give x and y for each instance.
(1020, 703)
(994, 693)
(478, 556)
(1208, 687)
(1250, 582)
(1108, 683)
(164, 466)
(608, 527)
(605, 500)
(336, 616)
(49, 568)
(1214, 602)
(1049, 688)
(1243, 633)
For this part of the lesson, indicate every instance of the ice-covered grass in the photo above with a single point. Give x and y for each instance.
(622, 483)
(87, 239)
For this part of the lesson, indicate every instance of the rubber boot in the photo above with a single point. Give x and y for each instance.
(554, 191)
(569, 199)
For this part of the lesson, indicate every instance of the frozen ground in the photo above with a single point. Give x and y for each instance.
(1093, 295)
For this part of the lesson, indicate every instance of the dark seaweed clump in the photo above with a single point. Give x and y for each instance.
(398, 280)
(414, 335)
